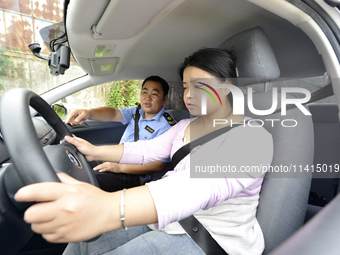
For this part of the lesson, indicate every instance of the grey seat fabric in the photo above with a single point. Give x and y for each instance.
(179, 114)
(255, 59)
(319, 236)
(284, 197)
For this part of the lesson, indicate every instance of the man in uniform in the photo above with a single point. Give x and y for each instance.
(145, 121)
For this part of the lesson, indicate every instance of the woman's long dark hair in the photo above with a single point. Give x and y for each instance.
(218, 62)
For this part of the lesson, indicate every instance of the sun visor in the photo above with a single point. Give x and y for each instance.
(103, 66)
(122, 21)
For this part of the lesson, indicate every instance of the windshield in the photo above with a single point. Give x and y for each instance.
(23, 22)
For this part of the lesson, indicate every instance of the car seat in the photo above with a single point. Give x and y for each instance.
(284, 196)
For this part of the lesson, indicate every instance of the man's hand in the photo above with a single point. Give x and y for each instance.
(109, 167)
(71, 211)
(77, 117)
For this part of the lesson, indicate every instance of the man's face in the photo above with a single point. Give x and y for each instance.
(152, 98)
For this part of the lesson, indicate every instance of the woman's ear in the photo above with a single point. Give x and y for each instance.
(227, 81)
(223, 92)
(227, 91)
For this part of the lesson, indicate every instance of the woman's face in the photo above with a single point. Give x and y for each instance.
(198, 84)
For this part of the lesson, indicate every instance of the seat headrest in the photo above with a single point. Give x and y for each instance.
(255, 59)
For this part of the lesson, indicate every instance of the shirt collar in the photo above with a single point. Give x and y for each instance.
(156, 117)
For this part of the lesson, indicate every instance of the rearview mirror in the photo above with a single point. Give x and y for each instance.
(60, 110)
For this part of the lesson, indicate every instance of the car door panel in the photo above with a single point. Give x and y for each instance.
(326, 153)
(98, 132)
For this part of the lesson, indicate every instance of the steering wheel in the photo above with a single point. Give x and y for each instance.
(31, 163)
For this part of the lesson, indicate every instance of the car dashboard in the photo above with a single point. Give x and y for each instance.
(45, 134)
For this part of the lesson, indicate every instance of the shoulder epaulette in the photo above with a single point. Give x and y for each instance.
(169, 119)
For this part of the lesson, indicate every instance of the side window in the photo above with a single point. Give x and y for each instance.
(117, 94)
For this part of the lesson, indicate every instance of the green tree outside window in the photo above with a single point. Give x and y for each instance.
(124, 93)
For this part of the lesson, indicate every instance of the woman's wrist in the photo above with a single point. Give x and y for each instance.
(121, 168)
(113, 221)
(88, 114)
(96, 153)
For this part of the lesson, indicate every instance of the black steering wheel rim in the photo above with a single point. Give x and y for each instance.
(31, 163)
(24, 148)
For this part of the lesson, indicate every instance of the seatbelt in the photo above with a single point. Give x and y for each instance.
(201, 236)
(190, 224)
(321, 93)
(185, 149)
(137, 116)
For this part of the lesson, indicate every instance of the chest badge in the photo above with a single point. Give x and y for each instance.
(149, 129)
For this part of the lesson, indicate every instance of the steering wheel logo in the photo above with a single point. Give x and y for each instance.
(73, 159)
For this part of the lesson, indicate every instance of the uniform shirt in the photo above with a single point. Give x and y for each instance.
(148, 128)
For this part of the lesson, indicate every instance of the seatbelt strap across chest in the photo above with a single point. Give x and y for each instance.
(137, 117)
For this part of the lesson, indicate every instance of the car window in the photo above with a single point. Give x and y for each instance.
(21, 24)
(117, 94)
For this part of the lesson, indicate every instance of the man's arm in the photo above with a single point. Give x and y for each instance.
(78, 116)
(130, 168)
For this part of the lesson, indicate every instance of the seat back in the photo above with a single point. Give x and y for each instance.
(284, 196)
(179, 114)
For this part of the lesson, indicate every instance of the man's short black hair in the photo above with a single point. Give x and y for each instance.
(155, 78)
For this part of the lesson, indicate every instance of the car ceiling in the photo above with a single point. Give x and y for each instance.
(153, 37)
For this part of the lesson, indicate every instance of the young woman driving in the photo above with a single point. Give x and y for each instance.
(74, 212)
